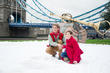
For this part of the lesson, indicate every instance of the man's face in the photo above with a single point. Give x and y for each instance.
(55, 29)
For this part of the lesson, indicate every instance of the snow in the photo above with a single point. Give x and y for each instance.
(30, 57)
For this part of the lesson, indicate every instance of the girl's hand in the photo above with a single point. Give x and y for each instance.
(75, 62)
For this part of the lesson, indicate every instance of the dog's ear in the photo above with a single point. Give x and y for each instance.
(60, 42)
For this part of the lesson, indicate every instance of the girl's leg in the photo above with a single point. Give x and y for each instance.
(64, 54)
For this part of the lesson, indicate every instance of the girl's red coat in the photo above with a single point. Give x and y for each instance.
(73, 50)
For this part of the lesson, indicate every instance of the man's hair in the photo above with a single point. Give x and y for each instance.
(69, 32)
(56, 25)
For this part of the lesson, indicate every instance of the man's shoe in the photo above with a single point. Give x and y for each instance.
(53, 55)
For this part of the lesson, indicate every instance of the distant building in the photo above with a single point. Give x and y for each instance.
(93, 34)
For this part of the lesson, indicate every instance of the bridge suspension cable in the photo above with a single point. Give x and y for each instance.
(91, 10)
(38, 11)
(85, 18)
(32, 14)
(44, 7)
(44, 12)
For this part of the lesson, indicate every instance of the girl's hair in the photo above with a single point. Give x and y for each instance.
(69, 32)
(56, 25)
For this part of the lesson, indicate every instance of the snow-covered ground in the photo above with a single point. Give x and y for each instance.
(30, 57)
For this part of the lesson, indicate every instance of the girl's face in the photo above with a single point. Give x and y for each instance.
(55, 29)
(68, 35)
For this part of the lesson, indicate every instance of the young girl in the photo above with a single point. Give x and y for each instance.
(73, 50)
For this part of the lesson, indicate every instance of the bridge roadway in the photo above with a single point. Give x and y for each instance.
(41, 25)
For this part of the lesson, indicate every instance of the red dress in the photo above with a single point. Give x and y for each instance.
(73, 50)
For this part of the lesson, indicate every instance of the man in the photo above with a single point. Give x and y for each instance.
(56, 40)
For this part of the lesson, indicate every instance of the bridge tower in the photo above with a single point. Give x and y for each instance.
(9, 10)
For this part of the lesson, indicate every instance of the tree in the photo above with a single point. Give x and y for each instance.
(106, 14)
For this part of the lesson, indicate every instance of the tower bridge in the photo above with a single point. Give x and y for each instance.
(13, 19)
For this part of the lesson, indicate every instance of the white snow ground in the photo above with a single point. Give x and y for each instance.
(30, 57)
